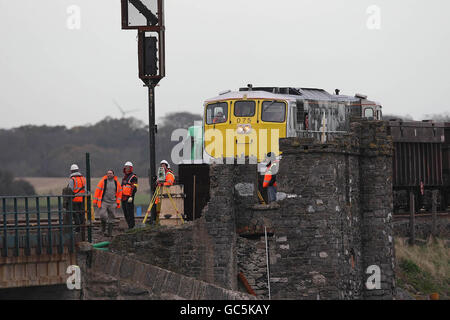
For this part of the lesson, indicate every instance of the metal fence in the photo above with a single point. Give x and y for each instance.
(320, 136)
(42, 224)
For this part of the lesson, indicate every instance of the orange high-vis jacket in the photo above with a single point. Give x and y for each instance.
(99, 192)
(269, 179)
(127, 187)
(170, 178)
(79, 184)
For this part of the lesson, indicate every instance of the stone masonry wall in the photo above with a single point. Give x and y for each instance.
(377, 204)
(204, 249)
(108, 276)
(313, 231)
(334, 220)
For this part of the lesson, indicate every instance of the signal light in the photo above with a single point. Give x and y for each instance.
(150, 56)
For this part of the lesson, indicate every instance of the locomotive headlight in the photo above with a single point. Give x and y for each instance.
(244, 129)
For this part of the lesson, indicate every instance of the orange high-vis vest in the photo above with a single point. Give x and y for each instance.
(98, 196)
(127, 187)
(170, 178)
(268, 178)
(79, 184)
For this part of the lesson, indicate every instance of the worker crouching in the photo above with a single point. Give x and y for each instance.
(129, 189)
(107, 198)
(270, 177)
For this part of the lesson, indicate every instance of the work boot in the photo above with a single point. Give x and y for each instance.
(110, 229)
(103, 227)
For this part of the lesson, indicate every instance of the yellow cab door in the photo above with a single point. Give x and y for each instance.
(217, 116)
(272, 120)
(242, 138)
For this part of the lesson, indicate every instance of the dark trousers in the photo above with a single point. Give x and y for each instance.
(128, 212)
(78, 218)
(272, 194)
(78, 213)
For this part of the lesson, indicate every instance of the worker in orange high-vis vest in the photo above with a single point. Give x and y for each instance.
(107, 198)
(170, 177)
(170, 180)
(270, 177)
(129, 189)
(77, 184)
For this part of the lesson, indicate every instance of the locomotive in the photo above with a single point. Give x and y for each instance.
(250, 122)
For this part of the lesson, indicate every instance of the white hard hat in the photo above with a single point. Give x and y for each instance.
(128, 164)
(166, 163)
(74, 167)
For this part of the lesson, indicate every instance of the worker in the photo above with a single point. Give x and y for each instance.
(270, 177)
(169, 181)
(77, 184)
(107, 198)
(219, 118)
(129, 189)
(170, 177)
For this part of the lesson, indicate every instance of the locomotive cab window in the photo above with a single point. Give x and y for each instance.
(273, 111)
(217, 113)
(368, 113)
(244, 108)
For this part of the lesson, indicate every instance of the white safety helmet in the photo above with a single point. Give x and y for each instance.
(166, 163)
(128, 164)
(74, 167)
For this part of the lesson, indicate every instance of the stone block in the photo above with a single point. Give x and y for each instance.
(127, 268)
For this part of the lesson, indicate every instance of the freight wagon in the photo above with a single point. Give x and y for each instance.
(420, 163)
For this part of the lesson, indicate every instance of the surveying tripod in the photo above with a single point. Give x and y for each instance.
(156, 195)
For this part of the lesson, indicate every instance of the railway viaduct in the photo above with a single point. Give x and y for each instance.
(330, 236)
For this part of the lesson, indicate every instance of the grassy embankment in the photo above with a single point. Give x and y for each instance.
(423, 269)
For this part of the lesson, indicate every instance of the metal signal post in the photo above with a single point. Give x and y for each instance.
(147, 17)
(152, 143)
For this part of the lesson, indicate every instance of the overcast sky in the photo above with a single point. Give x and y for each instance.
(50, 74)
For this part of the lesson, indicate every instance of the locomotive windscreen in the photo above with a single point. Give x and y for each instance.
(273, 111)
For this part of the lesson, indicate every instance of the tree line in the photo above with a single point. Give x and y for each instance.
(9, 186)
(48, 151)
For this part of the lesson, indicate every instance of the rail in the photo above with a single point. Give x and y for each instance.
(321, 136)
(39, 224)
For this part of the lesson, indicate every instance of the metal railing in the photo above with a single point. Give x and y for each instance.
(320, 136)
(43, 224)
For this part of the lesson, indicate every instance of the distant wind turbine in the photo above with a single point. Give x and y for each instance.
(123, 112)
